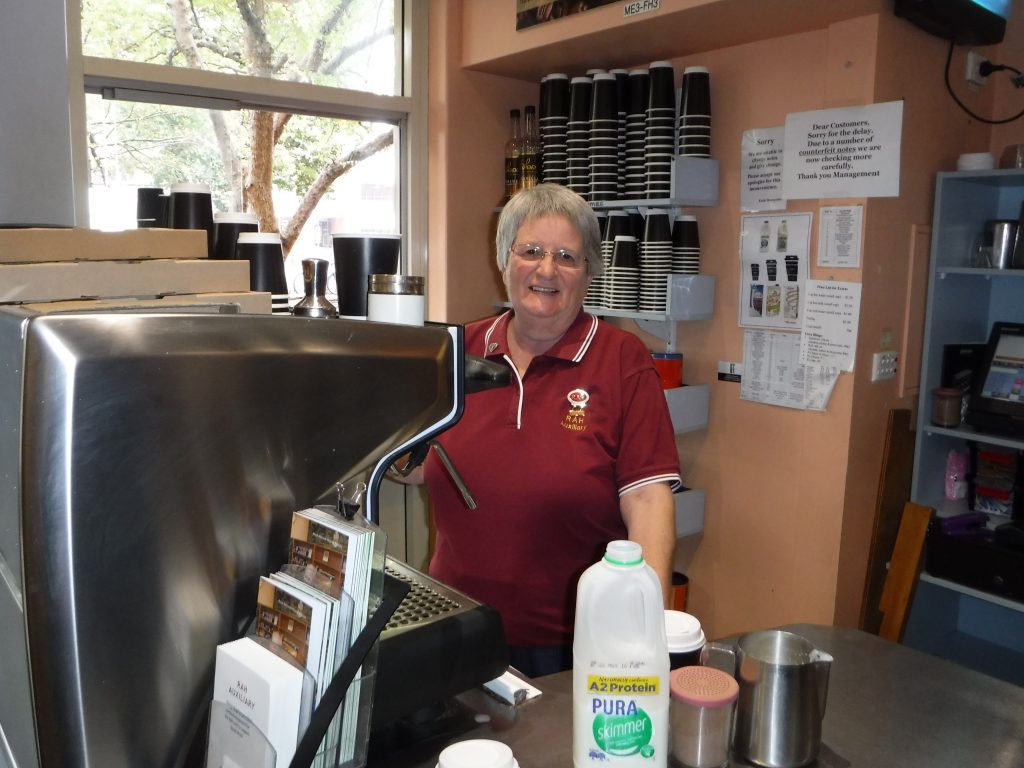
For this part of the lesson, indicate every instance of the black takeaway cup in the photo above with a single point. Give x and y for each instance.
(356, 257)
(226, 229)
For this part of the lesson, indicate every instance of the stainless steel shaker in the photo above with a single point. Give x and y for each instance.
(1000, 235)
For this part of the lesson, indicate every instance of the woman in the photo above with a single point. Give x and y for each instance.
(579, 450)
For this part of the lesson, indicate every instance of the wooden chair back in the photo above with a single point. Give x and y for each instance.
(904, 567)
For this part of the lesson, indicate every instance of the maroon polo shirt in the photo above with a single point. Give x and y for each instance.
(547, 459)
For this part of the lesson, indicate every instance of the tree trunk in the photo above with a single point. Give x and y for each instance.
(260, 184)
(180, 20)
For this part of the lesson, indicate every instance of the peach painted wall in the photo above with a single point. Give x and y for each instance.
(790, 494)
(468, 127)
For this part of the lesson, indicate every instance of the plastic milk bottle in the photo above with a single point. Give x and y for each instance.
(620, 675)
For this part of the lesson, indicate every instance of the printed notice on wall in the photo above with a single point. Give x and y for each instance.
(774, 375)
(839, 231)
(847, 152)
(761, 173)
(831, 319)
(774, 261)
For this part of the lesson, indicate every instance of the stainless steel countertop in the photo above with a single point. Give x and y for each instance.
(889, 706)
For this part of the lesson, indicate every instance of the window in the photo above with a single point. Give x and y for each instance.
(338, 43)
(299, 110)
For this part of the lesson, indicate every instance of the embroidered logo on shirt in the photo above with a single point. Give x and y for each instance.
(575, 419)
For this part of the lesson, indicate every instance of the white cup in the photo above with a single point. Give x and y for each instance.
(477, 753)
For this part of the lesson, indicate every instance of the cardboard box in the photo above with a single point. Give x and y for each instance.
(61, 281)
(35, 245)
(245, 303)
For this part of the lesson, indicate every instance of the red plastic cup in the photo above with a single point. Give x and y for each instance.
(670, 368)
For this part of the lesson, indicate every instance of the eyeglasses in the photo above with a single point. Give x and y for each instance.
(562, 258)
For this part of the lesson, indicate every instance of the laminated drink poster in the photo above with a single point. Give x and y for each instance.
(774, 252)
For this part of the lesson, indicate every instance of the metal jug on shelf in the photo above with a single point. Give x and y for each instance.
(783, 683)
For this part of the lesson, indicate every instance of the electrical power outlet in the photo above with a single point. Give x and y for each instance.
(973, 68)
(883, 365)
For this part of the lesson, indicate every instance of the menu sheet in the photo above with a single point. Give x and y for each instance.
(774, 375)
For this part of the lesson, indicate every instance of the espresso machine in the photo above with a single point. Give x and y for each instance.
(150, 464)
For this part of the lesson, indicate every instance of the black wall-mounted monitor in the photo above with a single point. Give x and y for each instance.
(997, 395)
(965, 22)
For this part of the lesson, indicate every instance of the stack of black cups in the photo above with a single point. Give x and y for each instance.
(685, 246)
(191, 207)
(659, 154)
(655, 262)
(616, 223)
(580, 95)
(553, 121)
(622, 280)
(604, 138)
(635, 183)
(266, 267)
(694, 138)
(621, 100)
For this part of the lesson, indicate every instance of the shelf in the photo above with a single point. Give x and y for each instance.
(988, 597)
(606, 37)
(978, 630)
(690, 297)
(694, 184)
(965, 432)
(689, 512)
(970, 626)
(978, 272)
(688, 407)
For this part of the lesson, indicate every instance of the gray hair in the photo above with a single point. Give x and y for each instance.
(547, 200)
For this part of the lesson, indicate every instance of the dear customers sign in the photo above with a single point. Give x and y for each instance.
(847, 152)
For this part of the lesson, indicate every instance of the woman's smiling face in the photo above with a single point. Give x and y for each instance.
(540, 291)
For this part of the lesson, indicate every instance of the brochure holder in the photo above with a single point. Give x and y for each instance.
(395, 591)
(235, 740)
(335, 734)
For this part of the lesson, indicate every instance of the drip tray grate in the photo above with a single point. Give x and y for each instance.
(428, 600)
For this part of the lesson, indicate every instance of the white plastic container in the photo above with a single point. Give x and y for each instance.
(620, 677)
(477, 753)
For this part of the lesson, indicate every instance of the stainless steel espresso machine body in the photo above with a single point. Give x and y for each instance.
(149, 466)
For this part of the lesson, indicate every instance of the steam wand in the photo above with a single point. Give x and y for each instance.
(416, 457)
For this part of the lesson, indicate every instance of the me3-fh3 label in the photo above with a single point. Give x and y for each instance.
(621, 726)
(640, 6)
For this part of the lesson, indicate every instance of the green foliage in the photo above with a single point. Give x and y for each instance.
(135, 143)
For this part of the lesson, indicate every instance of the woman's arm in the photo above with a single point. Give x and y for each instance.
(649, 514)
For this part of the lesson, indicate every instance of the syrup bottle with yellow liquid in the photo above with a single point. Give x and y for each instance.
(620, 675)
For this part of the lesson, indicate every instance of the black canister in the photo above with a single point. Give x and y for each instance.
(150, 207)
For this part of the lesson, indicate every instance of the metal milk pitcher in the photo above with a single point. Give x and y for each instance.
(783, 683)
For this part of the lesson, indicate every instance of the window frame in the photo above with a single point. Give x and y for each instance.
(137, 81)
